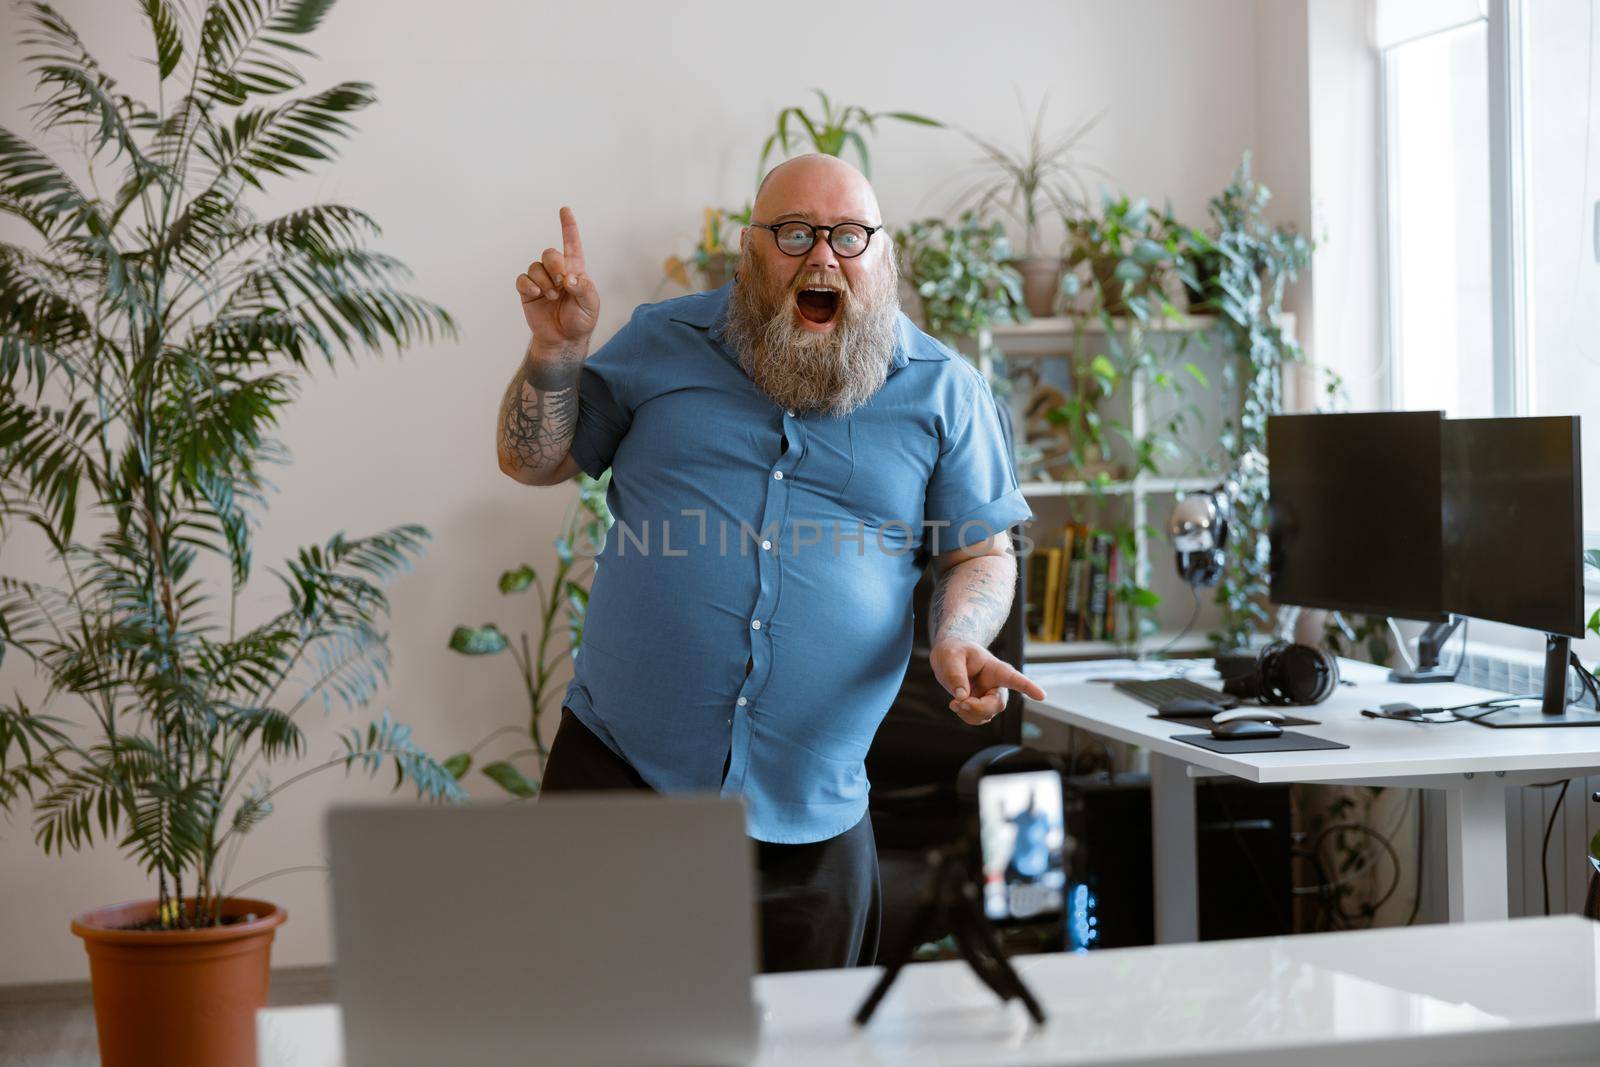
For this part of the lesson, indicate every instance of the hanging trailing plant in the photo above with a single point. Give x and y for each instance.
(1251, 263)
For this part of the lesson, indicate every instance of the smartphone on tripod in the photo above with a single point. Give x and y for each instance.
(1022, 845)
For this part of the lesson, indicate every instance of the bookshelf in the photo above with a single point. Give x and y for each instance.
(1145, 498)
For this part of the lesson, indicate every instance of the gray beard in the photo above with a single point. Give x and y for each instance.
(834, 372)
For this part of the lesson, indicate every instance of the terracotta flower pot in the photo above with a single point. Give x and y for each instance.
(178, 998)
(719, 269)
(1041, 281)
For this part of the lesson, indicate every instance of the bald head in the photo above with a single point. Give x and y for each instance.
(816, 180)
(815, 331)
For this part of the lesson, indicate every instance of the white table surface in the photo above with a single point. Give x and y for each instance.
(1472, 764)
(1379, 749)
(1522, 991)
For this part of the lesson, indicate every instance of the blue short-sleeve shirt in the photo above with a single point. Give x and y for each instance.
(752, 602)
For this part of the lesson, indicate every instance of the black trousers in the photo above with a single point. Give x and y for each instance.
(820, 903)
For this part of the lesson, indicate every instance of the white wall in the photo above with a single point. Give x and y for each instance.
(493, 114)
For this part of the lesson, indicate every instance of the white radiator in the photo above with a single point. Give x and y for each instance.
(1528, 812)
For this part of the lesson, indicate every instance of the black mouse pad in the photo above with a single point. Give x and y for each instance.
(1198, 720)
(1288, 741)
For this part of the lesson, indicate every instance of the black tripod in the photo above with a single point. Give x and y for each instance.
(951, 894)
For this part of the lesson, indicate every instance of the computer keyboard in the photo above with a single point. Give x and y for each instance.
(1159, 691)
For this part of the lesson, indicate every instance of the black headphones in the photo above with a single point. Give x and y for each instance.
(1198, 530)
(1280, 673)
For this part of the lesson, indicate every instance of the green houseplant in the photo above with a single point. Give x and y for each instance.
(161, 328)
(1027, 185)
(715, 255)
(1253, 261)
(1131, 249)
(563, 602)
(964, 274)
(832, 131)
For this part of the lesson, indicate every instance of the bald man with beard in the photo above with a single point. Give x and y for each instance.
(785, 453)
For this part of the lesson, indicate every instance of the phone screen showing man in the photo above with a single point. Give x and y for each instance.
(1023, 833)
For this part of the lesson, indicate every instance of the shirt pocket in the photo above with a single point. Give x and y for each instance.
(888, 482)
(829, 458)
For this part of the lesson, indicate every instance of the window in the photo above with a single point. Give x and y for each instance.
(1491, 159)
(1437, 176)
(1561, 159)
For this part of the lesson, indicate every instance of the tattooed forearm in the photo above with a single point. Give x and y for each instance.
(539, 413)
(972, 599)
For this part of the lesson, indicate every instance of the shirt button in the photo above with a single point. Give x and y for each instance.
(789, 413)
(766, 545)
(778, 475)
(742, 702)
(755, 624)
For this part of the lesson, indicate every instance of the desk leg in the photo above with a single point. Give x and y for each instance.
(1475, 844)
(1172, 815)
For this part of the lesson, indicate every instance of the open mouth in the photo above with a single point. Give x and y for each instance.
(817, 306)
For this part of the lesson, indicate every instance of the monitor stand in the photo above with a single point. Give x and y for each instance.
(1429, 644)
(1554, 711)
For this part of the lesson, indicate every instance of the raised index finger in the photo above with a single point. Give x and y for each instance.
(571, 243)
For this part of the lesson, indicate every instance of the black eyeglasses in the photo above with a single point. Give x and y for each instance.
(847, 239)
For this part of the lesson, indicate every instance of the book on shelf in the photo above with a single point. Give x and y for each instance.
(1071, 586)
(1044, 575)
(1098, 587)
(1038, 595)
(1075, 599)
(1111, 592)
(1068, 532)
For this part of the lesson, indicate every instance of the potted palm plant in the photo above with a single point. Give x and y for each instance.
(1028, 184)
(152, 330)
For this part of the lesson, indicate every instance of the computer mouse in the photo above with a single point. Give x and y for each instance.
(1245, 728)
(1190, 708)
(1247, 723)
(1252, 714)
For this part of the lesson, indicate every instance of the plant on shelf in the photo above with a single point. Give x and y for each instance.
(1129, 252)
(162, 329)
(1139, 249)
(1133, 249)
(964, 276)
(1042, 178)
(717, 253)
(1255, 262)
(832, 131)
(563, 602)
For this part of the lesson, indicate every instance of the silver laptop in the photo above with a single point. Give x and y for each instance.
(601, 928)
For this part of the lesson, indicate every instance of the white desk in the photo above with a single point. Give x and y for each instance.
(1474, 765)
(1525, 991)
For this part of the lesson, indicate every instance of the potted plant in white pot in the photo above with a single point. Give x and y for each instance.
(152, 330)
(1028, 185)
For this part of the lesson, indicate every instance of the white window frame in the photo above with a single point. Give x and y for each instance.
(1503, 355)
(1509, 234)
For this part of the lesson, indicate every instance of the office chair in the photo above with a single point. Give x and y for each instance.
(921, 746)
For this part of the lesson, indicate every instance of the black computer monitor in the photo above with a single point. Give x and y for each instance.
(1513, 540)
(1354, 512)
